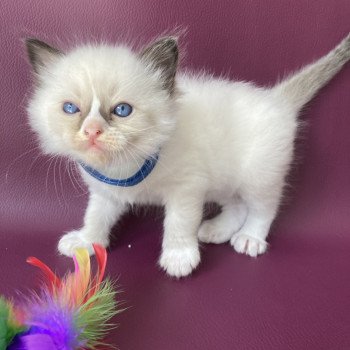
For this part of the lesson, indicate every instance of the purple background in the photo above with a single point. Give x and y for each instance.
(297, 296)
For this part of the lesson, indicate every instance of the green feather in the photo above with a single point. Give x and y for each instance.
(94, 316)
(9, 327)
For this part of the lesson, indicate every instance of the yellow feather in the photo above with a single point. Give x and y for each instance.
(82, 275)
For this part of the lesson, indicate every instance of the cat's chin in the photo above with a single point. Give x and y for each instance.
(95, 149)
(96, 157)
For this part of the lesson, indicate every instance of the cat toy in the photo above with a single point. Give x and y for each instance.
(72, 313)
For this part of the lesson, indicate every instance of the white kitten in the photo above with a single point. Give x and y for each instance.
(176, 142)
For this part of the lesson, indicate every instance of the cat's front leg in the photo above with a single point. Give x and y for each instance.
(180, 250)
(100, 216)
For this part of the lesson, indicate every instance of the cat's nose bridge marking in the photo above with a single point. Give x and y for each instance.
(94, 124)
(98, 110)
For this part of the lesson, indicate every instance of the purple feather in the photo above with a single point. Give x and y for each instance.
(52, 327)
(34, 342)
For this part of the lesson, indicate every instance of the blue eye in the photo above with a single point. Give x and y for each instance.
(122, 110)
(70, 108)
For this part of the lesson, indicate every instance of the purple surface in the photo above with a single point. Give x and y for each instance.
(297, 296)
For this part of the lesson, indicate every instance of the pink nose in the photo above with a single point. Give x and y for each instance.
(93, 131)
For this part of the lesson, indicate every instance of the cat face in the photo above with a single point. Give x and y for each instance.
(100, 103)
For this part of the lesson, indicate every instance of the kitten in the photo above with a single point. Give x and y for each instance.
(143, 134)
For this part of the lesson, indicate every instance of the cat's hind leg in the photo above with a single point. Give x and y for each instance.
(221, 228)
(251, 238)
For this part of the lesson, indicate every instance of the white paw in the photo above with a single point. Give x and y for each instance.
(179, 262)
(245, 244)
(209, 232)
(76, 239)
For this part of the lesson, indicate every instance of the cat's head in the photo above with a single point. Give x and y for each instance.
(99, 103)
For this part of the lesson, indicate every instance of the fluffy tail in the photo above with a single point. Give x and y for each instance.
(302, 86)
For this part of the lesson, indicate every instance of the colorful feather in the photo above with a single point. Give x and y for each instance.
(101, 257)
(94, 315)
(49, 322)
(52, 280)
(70, 313)
(10, 324)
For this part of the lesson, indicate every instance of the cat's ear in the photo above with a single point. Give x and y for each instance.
(41, 54)
(163, 55)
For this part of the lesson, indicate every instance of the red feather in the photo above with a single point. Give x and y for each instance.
(101, 257)
(53, 280)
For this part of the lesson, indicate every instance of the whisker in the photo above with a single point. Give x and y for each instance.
(16, 160)
(72, 178)
(32, 164)
(75, 170)
(159, 161)
(69, 174)
(128, 165)
(143, 176)
(50, 160)
(54, 181)
(134, 131)
(61, 182)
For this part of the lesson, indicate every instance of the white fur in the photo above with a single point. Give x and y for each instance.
(220, 141)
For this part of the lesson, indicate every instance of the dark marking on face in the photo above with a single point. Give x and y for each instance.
(163, 55)
(83, 115)
(105, 113)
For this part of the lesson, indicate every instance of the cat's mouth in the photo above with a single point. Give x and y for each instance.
(93, 145)
(99, 152)
(96, 152)
(93, 152)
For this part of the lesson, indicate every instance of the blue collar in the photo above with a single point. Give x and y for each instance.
(133, 180)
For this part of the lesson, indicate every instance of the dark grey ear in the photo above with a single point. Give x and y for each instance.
(163, 55)
(41, 54)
